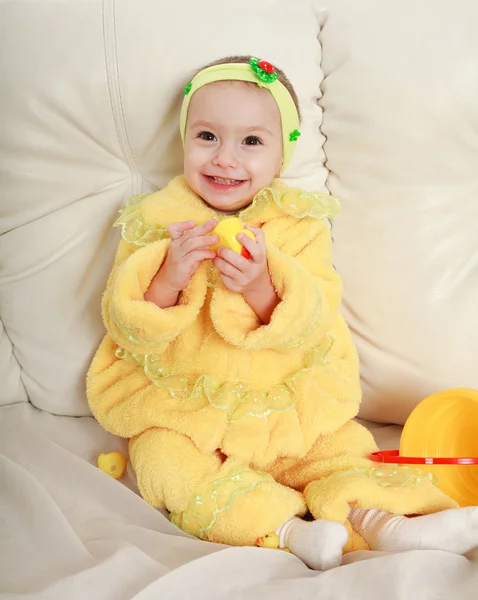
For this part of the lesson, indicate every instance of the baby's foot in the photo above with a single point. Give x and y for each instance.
(317, 543)
(454, 530)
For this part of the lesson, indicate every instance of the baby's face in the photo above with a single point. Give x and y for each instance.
(233, 143)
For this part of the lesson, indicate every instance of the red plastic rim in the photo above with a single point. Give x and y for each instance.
(393, 456)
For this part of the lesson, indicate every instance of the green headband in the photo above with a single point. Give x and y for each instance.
(264, 75)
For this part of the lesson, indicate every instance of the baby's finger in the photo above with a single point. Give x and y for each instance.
(233, 258)
(258, 233)
(254, 249)
(176, 230)
(200, 230)
(225, 267)
(199, 256)
(195, 243)
(231, 284)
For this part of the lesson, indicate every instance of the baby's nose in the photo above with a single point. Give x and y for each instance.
(225, 156)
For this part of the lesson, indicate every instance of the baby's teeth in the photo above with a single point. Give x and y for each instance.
(225, 181)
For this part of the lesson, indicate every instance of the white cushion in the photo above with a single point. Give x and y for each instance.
(92, 92)
(401, 121)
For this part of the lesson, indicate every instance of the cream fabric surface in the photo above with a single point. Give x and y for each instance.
(400, 100)
(89, 117)
(92, 91)
(75, 533)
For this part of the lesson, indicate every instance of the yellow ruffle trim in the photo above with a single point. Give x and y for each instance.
(292, 201)
(134, 229)
(234, 397)
(217, 497)
(385, 476)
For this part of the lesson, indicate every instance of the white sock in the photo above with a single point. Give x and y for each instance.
(454, 530)
(317, 543)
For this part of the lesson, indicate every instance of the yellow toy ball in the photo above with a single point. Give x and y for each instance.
(440, 436)
(113, 463)
(228, 230)
(445, 426)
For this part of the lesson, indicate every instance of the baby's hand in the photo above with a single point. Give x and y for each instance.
(189, 248)
(245, 275)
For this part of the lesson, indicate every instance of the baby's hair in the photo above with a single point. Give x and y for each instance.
(281, 76)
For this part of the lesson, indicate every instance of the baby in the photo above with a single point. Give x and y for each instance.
(236, 379)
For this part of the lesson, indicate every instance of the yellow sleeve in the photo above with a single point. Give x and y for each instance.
(126, 402)
(309, 289)
(135, 324)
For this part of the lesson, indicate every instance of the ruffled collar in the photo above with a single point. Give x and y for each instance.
(178, 202)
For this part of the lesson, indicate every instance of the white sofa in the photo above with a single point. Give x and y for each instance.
(89, 103)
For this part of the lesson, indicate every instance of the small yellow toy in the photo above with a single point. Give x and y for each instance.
(228, 230)
(271, 541)
(113, 463)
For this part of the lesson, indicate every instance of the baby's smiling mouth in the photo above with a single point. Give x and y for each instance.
(223, 181)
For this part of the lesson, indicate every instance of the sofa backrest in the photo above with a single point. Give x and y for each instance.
(92, 93)
(90, 103)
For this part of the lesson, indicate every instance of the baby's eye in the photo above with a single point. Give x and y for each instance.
(252, 140)
(207, 135)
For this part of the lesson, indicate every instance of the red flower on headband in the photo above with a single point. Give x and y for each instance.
(266, 66)
(264, 70)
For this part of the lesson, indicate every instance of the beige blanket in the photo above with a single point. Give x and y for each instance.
(70, 532)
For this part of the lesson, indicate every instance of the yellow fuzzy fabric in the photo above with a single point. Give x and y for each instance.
(237, 426)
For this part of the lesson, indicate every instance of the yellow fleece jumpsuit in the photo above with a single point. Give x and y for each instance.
(236, 426)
